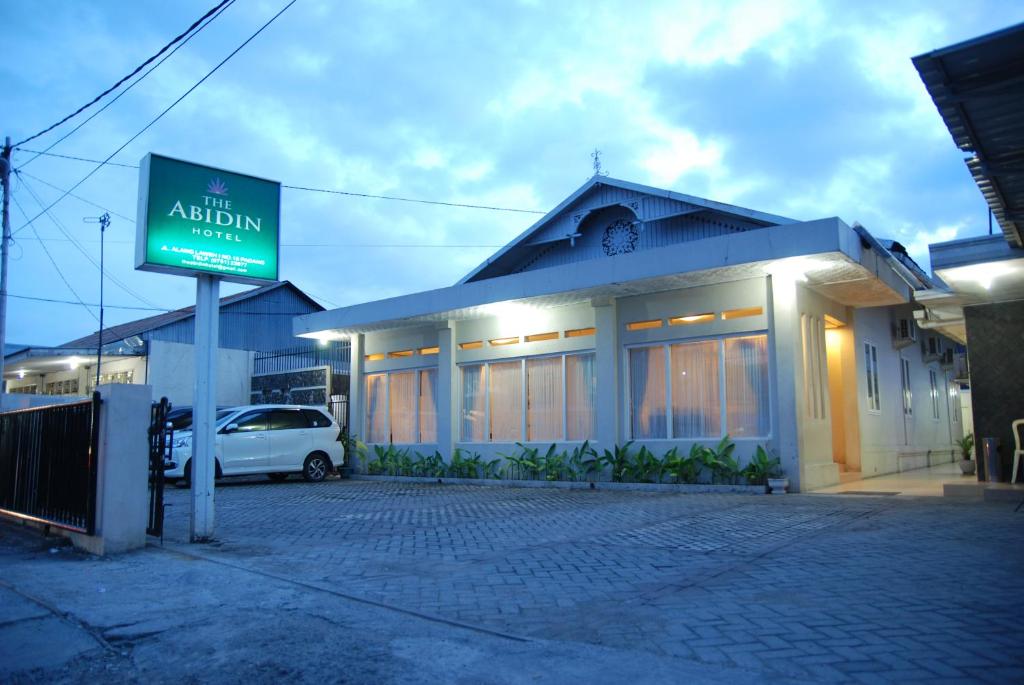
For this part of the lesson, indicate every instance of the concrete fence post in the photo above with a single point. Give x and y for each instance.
(122, 479)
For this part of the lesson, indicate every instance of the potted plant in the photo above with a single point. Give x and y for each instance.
(966, 445)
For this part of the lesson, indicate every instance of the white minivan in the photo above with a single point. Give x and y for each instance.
(275, 439)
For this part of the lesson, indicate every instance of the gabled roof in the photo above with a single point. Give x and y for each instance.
(711, 205)
(978, 88)
(140, 326)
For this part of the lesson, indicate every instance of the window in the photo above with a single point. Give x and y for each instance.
(580, 332)
(908, 393)
(252, 422)
(746, 386)
(401, 406)
(506, 401)
(700, 389)
(954, 399)
(542, 398)
(933, 380)
(316, 418)
(871, 366)
(287, 419)
(741, 313)
(647, 388)
(68, 387)
(696, 403)
(122, 377)
(643, 325)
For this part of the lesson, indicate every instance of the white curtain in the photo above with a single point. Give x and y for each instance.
(376, 412)
(402, 398)
(544, 398)
(506, 401)
(696, 403)
(746, 386)
(428, 405)
(473, 403)
(580, 397)
(647, 392)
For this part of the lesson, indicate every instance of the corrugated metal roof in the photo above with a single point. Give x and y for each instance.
(140, 326)
(978, 88)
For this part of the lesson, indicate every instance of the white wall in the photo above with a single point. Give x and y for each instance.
(889, 441)
(172, 373)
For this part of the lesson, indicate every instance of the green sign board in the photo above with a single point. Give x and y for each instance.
(196, 220)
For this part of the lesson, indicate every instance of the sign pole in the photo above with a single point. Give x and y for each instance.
(204, 406)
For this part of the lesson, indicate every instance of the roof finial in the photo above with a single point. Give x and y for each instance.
(596, 156)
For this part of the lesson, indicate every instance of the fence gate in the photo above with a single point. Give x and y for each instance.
(161, 441)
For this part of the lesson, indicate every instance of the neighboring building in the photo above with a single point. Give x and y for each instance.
(976, 86)
(158, 351)
(634, 313)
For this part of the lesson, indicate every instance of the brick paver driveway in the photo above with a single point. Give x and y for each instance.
(810, 586)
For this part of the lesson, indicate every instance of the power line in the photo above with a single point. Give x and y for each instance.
(165, 111)
(133, 73)
(67, 234)
(162, 310)
(54, 262)
(327, 191)
(77, 197)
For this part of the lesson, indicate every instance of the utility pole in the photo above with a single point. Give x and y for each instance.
(103, 221)
(5, 173)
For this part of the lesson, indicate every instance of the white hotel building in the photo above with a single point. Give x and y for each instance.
(634, 313)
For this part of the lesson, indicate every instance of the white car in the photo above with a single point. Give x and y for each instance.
(275, 439)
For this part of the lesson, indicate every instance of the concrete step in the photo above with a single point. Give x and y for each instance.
(847, 476)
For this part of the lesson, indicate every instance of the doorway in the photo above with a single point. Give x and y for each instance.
(840, 351)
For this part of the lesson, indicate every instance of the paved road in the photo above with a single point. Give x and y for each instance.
(364, 582)
(836, 588)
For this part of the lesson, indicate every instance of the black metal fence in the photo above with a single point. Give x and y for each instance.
(336, 355)
(161, 440)
(48, 464)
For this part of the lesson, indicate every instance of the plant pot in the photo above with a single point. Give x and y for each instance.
(778, 486)
(968, 467)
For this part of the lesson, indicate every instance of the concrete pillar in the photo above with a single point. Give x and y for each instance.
(610, 421)
(357, 360)
(122, 481)
(448, 391)
(784, 346)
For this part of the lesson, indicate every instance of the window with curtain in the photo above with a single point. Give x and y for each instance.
(699, 401)
(647, 388)
(933, 379)
(558, 400)
(696, 405)
(908, 393)
(580, 397)
(402, 404)
(544, 398)
(474, 403)
(871, 366)
(428, 405)
(401, 407)
(506, 401)
(376, 410)
(746, 386)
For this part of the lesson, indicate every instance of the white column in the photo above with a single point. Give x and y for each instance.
(204, 406)
(448, 391)
(610, 424)
(357, 356)
(784, 348)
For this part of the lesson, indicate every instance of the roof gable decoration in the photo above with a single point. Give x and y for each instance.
(626, 210)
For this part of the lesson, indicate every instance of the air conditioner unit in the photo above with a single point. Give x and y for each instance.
(947, 360)
(931, 347)
(904, 333)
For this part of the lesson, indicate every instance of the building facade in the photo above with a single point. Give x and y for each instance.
(631, 313)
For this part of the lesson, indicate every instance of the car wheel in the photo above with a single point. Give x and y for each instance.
(186, 478)
(277, 477)
(315, 468)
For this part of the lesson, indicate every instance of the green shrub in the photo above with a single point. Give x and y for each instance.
(763, 465)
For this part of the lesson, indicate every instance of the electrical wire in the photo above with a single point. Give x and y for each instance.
(133, 73)
(162, 310)
(168, 109)
(20, 169)
(57, 268)
(328, 191)
(78, 245)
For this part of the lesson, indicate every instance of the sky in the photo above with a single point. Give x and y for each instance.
(801, 109)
